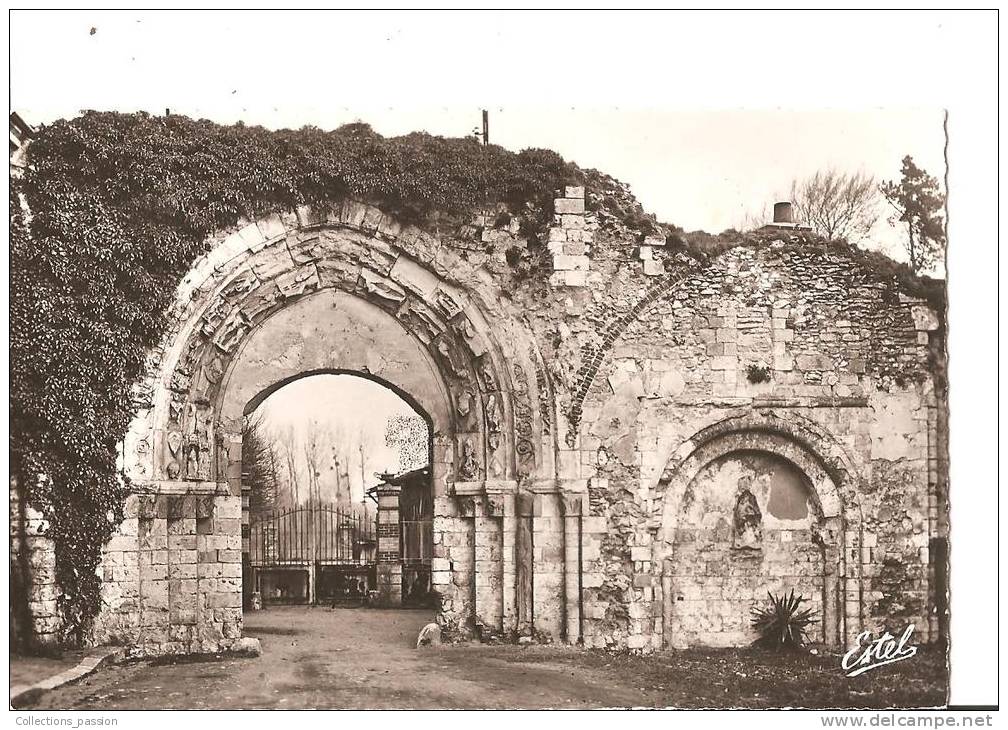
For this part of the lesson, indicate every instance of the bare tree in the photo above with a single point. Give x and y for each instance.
(315, 441)
(751, 219)
(341, 449)
(281, 491)
(837, 204)
(287, 445)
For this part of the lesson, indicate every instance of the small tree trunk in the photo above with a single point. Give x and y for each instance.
(913, 249)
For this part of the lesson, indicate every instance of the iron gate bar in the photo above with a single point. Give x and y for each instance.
(315, 533)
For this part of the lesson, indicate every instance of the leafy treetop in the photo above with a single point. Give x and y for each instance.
(919, 204)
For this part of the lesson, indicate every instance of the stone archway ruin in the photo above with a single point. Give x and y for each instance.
(350, 290)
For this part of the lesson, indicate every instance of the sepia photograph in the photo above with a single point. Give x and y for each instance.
(335, 387)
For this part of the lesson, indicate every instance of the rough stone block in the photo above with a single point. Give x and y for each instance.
(640, 552)
(563, 262)
(569, 278)
(563, 206)
(653, 267)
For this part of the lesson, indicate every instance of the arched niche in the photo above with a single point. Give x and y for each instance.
(711, 576)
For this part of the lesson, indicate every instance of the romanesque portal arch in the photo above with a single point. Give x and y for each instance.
(348, 290)
(751, 505)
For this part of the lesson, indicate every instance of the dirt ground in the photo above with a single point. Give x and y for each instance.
(364, 658)
(27, 670)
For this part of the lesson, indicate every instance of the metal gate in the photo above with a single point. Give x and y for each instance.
(417, 553)
(312, 554)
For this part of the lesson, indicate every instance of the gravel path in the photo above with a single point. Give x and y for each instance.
(348, 658)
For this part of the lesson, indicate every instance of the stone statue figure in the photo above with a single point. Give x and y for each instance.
(748, 520)
(193, 462)
(470, 467)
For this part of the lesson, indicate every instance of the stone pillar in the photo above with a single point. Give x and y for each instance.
(389, 569)
(831, 597)
(465, 565)
(182, 567)
(449, 538)
(852, 599)
(571, 505)
(829, 537)
(509, 570)
(152, 556)
(547, 566)
(205, 638)
(33, 571)
(487, 564)
(524, 507)
(569, 239)
(246, 520)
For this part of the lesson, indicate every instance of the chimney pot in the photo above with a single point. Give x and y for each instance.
(782, 213)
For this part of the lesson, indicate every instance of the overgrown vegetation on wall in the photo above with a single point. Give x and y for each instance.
(703, 245)
(120, 207)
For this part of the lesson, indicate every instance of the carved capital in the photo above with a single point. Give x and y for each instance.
(525, 504)
(571, 504)
(494, 505)
(467, 506)
(204, 506)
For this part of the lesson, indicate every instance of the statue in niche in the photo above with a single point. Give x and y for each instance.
(492, 422)
(470, 467)
(747, 519)
(464, 403)
(450, 359)
(193, 461)
(175, 406)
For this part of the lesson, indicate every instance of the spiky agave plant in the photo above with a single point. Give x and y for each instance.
(782, 623)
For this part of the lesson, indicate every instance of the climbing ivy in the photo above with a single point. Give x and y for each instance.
(120, 205)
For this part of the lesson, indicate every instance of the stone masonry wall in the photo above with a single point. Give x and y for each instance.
(571, 411)
(804, 334)
(33, 571)
(172, 575)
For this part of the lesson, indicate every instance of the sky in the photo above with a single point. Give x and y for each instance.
(699, 168)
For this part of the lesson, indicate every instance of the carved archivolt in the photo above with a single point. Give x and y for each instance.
(264, 266)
